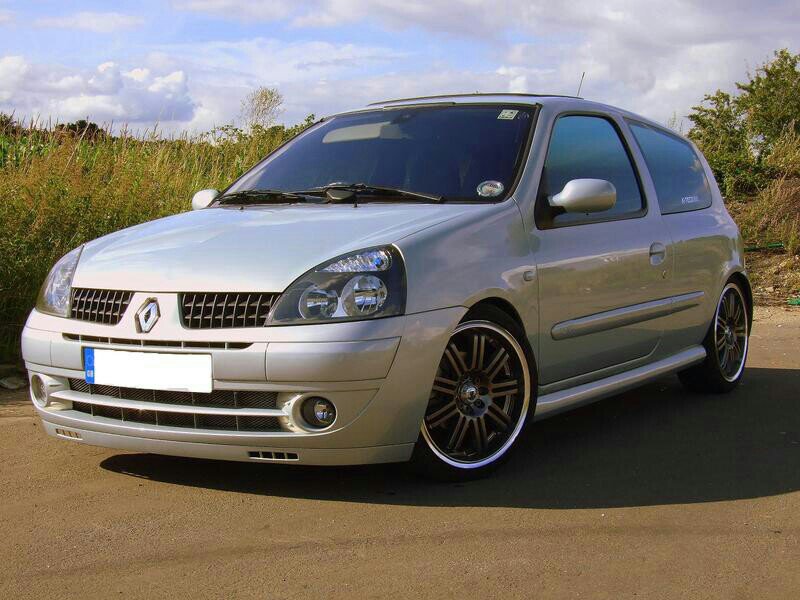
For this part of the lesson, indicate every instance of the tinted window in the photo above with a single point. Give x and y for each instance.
(444, 150)
(583, 147)
(677, 173)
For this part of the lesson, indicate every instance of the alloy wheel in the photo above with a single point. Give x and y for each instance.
(730, 333)
(480, 396)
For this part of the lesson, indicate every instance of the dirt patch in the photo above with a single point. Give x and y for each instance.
(774, 276)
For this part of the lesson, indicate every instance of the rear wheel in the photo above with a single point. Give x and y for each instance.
(726, 346)
(480, 399)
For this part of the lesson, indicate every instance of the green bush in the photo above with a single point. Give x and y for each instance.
(739, 133)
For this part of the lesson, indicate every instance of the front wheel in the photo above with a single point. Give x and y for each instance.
(480, 400)
(726, 346)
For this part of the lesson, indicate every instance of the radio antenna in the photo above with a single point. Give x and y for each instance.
(580, 85)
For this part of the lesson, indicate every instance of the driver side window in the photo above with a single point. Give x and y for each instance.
(587, 147)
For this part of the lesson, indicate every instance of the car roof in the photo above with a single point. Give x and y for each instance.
(556, 102)
(447, 97)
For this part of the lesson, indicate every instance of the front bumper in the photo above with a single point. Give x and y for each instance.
(378, 373)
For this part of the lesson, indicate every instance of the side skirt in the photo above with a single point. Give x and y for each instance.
(557, 402)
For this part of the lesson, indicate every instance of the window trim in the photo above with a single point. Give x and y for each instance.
(630, 122)
(613, 121)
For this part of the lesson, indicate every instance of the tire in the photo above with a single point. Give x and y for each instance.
(480, 400)
(726, 345)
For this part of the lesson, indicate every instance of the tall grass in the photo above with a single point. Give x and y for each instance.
(60, 189)
(773, 216)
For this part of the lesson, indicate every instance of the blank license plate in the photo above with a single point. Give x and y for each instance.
(148, 370)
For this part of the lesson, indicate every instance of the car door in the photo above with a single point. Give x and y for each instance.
(701, 245)
(604, 278)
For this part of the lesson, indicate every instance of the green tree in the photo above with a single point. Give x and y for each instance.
(771, 101)
(738, 132)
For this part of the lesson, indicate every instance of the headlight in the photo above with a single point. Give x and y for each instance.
(362, 285)
(54, 295)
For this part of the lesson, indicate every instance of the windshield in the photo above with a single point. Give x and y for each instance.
(461, 153)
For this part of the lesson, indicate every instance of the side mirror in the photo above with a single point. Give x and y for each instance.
(203, 198)
(586, 196)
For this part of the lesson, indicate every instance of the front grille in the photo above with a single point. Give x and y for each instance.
(216, 399)
(210, 310)
(147, 343)
(99, 306)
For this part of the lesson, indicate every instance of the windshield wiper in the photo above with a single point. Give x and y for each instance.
(264, 197)
(347, 192)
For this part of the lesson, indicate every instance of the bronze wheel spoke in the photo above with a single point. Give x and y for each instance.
(442, 415)
(502, 364)
(495, 359)
(454, 359)
(459, 432)
(724, 361)
(737, 313)
(503, 384)
(445, 386)
(481, 437)
(475, 343)
(495, 410)
(481, 352)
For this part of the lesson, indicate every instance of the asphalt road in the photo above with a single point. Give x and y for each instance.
(656, 493)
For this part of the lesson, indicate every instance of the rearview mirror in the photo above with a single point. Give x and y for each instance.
(586, 196)
(203, 198)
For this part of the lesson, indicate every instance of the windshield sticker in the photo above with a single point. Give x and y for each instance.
(507, 115)
(490, 189)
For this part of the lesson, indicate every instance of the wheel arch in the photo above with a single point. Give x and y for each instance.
(510, 310)
(501, 304)
(743, 282)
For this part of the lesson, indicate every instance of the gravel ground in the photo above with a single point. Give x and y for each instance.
(656, 493)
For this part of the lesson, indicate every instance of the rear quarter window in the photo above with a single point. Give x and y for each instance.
(677, 173)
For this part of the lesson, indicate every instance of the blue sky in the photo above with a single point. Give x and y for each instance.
(186, 64)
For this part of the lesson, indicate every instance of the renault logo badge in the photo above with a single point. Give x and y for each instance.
(147, 316)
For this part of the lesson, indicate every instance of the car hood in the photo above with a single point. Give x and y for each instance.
(257, 249)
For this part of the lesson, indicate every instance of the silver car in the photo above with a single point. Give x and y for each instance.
(417, 280)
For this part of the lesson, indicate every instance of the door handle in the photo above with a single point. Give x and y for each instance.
(658, 252)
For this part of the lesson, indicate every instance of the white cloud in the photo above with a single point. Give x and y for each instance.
(269, 10)
(6, 16)
(97, 22)
(12, 73)
(137, 74)
(223, 72)
(103, 95)
(658, 58)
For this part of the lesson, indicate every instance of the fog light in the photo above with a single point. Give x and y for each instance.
(319, 412)
(39, 391)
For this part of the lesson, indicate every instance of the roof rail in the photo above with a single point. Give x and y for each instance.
(476, 94)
